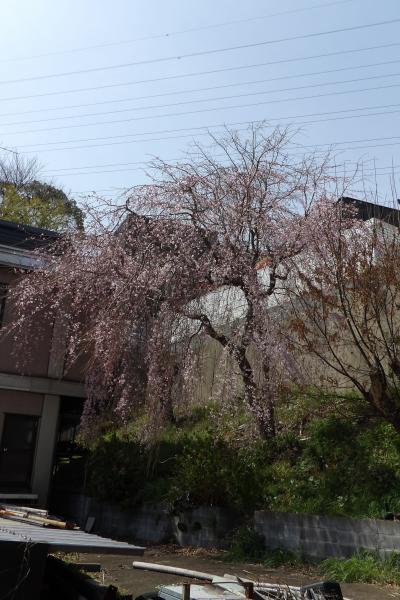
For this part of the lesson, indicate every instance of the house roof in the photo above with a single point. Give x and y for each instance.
(25, 237)
(369, 210)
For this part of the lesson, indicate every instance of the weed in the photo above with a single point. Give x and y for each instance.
(364, 567)
(248, 545)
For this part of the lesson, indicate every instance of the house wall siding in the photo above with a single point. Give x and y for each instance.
(38, 367)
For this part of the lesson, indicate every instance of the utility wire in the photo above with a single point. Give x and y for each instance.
(378, 139)
(67, 170)
(200, 133)
(200, 73)
(204, 110)
(178, 32)
(141, 163)
(4, 149)
(363, 172)
(128, 170)
(205, 52)
(122, 190)
(207, 128)
(204, 89)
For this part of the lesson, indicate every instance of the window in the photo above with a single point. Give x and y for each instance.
(3, 295)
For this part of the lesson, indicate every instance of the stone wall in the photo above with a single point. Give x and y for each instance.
(320, 537)
(205, 527)
(315, 537)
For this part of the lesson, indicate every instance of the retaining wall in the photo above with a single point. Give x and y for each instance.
(206, 527)
(316, 537)
(320, 537)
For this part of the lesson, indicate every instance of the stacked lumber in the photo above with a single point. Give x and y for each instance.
(34, 516)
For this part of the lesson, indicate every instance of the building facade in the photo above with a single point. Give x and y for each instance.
(34, 398)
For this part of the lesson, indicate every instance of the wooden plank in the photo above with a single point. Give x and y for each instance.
(7, 496)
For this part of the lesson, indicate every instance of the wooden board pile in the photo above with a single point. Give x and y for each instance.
(34, 516)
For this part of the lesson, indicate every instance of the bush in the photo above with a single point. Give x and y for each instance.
(125, 472)
(341, 467)
(365, 567)
(247, 545)
(210, 471)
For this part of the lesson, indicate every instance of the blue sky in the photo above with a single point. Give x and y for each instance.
(46, 112)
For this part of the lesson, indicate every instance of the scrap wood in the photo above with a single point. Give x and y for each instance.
(26, 509)
(20, 519)
(36, 519)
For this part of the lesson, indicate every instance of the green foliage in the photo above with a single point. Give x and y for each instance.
(213, 472)
(342, 467)
(125, 472)
(365, 567)
(40, 205)
(249, 546)
(280, 557)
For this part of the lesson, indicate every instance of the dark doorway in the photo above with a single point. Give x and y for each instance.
(69, 473)
(17, 451)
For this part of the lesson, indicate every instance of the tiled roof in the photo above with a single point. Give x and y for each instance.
(369, 210)
(25, 237)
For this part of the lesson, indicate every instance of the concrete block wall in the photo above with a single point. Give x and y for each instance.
(206, 527)
(316, 537)
(320, 537)
(149, 524)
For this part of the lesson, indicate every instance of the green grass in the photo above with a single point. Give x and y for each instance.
(364, 567)
(249, 546)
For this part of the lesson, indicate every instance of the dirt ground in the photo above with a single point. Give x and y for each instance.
(117, 570)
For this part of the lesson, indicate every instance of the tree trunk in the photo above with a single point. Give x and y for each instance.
(259, 400)
(382, 401)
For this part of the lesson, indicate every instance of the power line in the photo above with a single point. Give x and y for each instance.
(392, 137)
(179, 32)
(141, 162)
(204, 52)
(203, 110)
(206, 128)
(111, 189)
(65, 170)
(121, 190)
(204, 89)
(138, 162)
(205, 133)
(7, 150)
(138, 169)
(200, 73)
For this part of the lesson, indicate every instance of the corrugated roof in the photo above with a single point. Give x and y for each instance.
(25, 237)
(62, 540)
(369, 210)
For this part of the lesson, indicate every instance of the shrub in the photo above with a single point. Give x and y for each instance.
(213, 472)
(247, 545)
(124, 471)
(365, 567)
(342, 467)
(335, 453)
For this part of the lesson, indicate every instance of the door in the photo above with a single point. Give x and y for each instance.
(17, 451)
